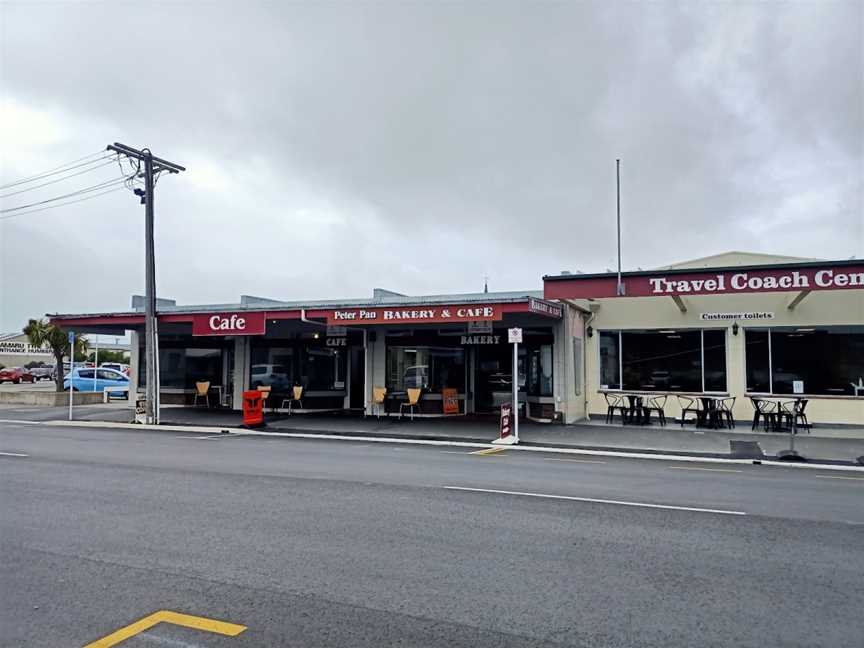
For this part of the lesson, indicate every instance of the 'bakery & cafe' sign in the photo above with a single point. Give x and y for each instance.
(432, 314)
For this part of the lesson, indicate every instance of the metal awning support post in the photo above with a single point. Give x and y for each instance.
(798, 298)
(679, 303)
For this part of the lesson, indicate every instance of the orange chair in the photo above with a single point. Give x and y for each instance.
(265, 394)
(202, 389)
(296, 395)
(411, 403)
(377, 402)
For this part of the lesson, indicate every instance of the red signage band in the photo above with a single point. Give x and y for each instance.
(432, 314)
(708, 283)
(251, 323)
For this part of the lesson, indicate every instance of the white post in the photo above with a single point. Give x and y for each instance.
(95, 362)
(71, 339)
(516, 391)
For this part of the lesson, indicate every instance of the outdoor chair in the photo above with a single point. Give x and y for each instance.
(792, 414)
(377, 402)
(202, 389)
(688, 404)
(411, 403)
(656, 404)
(296, 396)
(614, 402)
(265, 394)
(766, 411)
(726, 407)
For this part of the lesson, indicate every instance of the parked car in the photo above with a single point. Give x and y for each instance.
(88, 380)
(274, 375)
(41, 373)
(117, 366)
(15, 375)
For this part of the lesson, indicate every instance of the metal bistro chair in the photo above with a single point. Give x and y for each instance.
(411, 403)
(614, 402)
(767, 411)
(202, 389)
(656, 404)
(296, 396)
(688, 404)
(726, 406)
(377, 402)
(791, 412)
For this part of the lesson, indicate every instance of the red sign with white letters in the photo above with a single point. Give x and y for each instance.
(251, 323)
(828, 277)
(432, 314)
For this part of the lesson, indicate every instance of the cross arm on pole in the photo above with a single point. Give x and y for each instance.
(158, 163)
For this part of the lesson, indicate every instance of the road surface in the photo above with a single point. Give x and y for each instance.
(323, 543)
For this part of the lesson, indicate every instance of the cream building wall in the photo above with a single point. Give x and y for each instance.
(819, 308)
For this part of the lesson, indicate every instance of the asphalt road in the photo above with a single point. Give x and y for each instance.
(322, 543)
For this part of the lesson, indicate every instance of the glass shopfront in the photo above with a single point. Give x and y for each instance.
(309, 363)
(824, 360)
(182, 364)
(434, 362)
(691, 360)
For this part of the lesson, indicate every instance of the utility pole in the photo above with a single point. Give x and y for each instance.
(620, 289)
(152, 166)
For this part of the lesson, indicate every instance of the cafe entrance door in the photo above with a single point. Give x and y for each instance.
(493, 379)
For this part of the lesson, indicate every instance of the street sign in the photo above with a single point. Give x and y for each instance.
(514, 335)
(71, 337)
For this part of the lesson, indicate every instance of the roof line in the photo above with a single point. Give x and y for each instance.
(677, 271)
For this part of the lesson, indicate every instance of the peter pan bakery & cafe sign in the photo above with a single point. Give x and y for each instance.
(414, 315)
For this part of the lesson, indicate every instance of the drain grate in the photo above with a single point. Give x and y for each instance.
(746, 450)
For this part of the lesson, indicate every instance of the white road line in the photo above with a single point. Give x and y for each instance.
(14, 454)
(459, 452)
(595, 501)
(708, 469)
(836, 477)
(573, 460)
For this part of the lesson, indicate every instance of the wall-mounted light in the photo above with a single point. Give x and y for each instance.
(590, 331)
(735, 328)
(316, 335)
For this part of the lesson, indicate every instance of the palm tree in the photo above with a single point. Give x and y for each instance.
(41, 333)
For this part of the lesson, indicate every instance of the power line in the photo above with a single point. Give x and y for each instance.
(56, 180)
(66, 167)
(96, 187)
(62, 204)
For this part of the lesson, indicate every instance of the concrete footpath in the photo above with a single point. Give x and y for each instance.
(841, 446)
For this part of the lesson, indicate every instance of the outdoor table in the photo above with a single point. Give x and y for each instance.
(636, 414)
(710, 414)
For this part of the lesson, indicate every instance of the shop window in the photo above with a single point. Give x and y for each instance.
(322, 369)
(181, 368)
(821, 360)
(610, 360)
(429, 368)
(273, 366)
(540, 371)
(664, 360)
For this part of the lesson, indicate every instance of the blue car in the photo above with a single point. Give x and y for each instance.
(89, 379)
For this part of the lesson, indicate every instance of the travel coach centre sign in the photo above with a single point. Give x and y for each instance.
(415, 315)
(827, 277)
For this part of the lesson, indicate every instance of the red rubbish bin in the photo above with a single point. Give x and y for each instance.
(253, 408)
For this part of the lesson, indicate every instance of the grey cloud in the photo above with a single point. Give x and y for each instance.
(421, 145)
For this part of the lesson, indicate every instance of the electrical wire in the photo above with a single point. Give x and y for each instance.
(68, 202)
(56, 180)
(66, 167)
(92, 188)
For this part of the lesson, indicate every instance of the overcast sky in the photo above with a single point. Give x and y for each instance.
(417, 146)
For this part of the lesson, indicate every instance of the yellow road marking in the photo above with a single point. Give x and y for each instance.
(838, 477)
(488, 451)
(166, 616)
(708, 469)
(573, 460)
